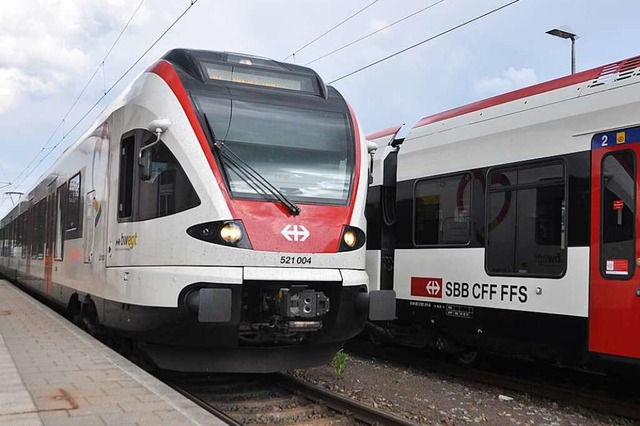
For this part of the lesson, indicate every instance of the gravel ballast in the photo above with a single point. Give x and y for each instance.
(433, 399)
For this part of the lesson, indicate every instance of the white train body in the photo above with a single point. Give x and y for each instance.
(504, 235)
(140, 250)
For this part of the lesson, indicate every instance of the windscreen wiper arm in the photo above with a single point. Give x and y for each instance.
(249, 174)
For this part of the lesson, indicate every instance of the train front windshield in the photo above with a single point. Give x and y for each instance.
(308, 155)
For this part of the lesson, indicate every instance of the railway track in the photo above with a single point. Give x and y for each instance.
(276, 399)
(563, 385)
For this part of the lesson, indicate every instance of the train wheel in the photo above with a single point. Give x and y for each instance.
(87, 318)
(468, 358)
(376, 339)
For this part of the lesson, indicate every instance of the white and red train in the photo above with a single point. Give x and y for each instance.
(214, 214)
(511, 224)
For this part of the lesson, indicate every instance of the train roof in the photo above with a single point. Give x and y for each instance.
(189, 60)
(598, 76)
(195, 63)
(384, 132)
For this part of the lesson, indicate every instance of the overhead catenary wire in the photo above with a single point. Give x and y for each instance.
(374, 33)
(77, 99)
(192, 3)
(424, 41)
(4, 173)
(331, 29)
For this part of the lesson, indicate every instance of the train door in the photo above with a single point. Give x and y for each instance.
(122, 236)
(88, 241)
(94, 243)
(614, 292)
(49, 234)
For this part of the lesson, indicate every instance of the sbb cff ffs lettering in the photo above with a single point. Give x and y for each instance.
(484, 291)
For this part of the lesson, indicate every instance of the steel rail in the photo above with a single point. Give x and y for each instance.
(360, 411)
(205, 405)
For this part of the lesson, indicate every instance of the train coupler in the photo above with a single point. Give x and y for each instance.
(302, 302)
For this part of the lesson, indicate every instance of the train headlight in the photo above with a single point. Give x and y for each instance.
(224, 232)
(231, 233)
(352, 238)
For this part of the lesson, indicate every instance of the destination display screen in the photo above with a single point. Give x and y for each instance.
(260, 77)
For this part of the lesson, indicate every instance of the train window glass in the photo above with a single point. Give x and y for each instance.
(125, 184)
(74, 208)
(5, 242)
(526, 221)
(61, 197)
(25, 233)
(617, 254)
(168, 191)
(442, 211)
(261, 77)
(12, 237)
(17, 230)
(42, 226)
(33, 229)
(39, 222)
(541, 175)
(308, 155)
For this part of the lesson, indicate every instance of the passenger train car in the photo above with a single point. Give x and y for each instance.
(510, 224)
(214, 214)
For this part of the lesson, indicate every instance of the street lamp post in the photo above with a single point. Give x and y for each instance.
(567, 33)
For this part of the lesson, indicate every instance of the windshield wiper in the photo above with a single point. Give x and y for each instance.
(249, 174)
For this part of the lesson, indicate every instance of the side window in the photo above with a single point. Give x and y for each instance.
(73, 225)
(12, 237)
(526, 221)
(442, 211)
(125, 184)
(26, 233)
(19, 228)
(618, 215)
(165, 190)
(5, 239)
(168, 190)
(37, 241)
(61, 198)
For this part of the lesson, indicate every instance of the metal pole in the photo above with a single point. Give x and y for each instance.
(573, 55)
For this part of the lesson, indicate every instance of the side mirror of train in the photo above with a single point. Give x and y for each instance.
(157, 126)
(371, 148)
(144, 164)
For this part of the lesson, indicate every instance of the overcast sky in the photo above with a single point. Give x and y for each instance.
(50, 48)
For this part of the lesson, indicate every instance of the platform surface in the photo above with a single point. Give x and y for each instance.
(52, 373)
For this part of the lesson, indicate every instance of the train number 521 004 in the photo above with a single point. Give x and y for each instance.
(295, 260)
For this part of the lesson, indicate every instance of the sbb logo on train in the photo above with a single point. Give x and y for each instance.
(433, 287)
